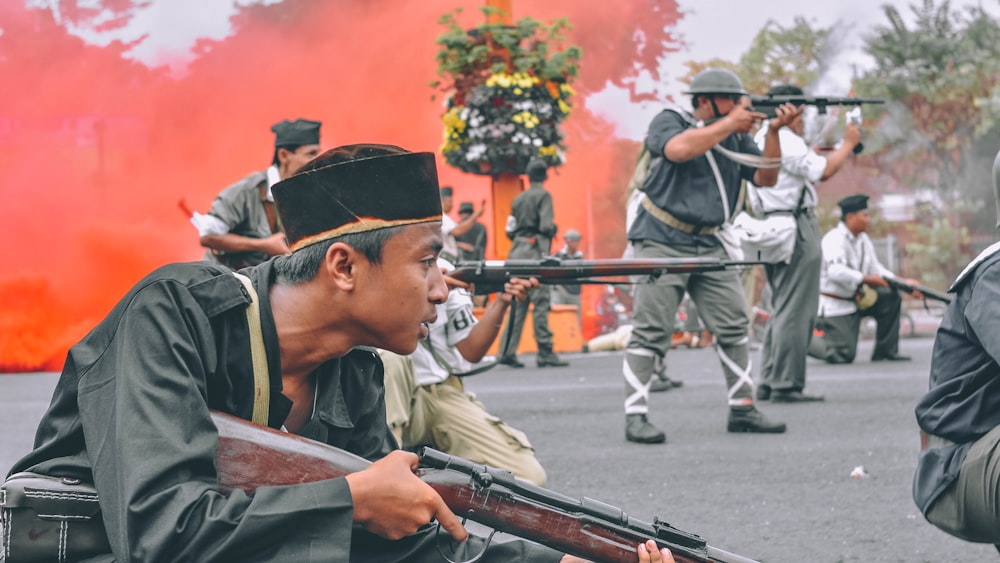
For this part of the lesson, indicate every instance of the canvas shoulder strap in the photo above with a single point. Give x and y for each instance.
(258, 354)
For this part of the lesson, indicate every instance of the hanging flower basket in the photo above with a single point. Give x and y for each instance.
(507, 94)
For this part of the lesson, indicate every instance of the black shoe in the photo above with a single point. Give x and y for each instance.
(510, 361)
(794, 396)
(552, 361)
(639, 430)
(763, 392)
(891, 358)
(661, 384)
(749, 419)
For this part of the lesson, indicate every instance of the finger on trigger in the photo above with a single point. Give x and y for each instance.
(447, 519)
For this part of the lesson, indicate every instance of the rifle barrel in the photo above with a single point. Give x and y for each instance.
(490, 275)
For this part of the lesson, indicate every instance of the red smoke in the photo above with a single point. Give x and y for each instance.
(99, 149)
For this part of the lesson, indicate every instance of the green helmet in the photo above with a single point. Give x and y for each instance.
(716, 81)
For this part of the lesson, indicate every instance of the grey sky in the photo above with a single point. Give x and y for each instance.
(711, 28)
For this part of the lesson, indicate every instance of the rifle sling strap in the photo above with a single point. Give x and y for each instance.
(258, 354)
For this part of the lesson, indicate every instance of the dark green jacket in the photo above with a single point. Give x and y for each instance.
(131, 410)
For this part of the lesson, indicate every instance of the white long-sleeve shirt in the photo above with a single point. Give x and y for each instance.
(847, 259)
(801, 167)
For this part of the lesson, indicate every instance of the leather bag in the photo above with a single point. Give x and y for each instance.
(50, 519)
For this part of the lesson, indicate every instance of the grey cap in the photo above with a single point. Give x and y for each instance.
(573, 234)
(537, 170)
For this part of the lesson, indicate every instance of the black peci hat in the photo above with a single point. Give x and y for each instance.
(465, 207)
(852, 204)
(355, 189)
(296, 133)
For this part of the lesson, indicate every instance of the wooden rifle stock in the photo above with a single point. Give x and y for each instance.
(488, 276)
(927, 292)
(251, 456)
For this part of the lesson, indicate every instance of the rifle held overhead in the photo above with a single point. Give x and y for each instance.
(767, 104)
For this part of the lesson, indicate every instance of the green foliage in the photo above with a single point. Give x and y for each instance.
(508, 91)
(779, 55)
(935, 253)
(466, 58)
(941, 76)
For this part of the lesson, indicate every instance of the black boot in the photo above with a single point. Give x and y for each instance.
(663, 383)
(511, 361)
(548, 358)
(638, 429)
(749, 419)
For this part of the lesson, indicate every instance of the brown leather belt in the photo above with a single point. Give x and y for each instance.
(825, 294)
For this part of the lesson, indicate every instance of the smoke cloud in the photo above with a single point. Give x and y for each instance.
(100, 149)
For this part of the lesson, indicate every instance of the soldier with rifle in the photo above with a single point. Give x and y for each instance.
(795, 282)
(284, 344)
(531, 228)
(854, 285)
(688, 195)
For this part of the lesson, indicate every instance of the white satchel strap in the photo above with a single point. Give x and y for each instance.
(261, 381)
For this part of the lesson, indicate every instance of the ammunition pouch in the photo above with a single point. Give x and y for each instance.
(50, 519)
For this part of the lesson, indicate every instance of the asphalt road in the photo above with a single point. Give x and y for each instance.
(776, 498)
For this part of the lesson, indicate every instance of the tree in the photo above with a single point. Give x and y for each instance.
(940, 76)
(800, 55)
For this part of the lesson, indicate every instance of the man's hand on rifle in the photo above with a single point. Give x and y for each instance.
(647, 553)
(453, 283)
(742, 118)
(517, 288)
(784, 115)
(914, 284)
(392, 502)
(874, 280)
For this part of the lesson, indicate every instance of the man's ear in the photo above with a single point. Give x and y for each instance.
(341, 265)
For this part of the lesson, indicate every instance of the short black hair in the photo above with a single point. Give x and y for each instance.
(289, 148)
(301, 266)
(785, 90)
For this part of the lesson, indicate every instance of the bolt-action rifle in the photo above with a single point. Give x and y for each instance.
(767, 104)
(927, 292)
(251, 456)
(488, 276)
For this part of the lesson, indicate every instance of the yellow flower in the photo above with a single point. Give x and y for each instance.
(564, 107)
(452, 121)
(548, 150)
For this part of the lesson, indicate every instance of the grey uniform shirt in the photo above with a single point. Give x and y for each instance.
(240, 208)
(688, 190)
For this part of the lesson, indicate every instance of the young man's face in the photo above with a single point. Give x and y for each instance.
(401, 292)
(290, 161)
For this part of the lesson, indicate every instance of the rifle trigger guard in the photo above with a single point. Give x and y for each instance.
(477, 557)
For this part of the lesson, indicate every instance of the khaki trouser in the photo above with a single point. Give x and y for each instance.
(970, 507)
(447, 418)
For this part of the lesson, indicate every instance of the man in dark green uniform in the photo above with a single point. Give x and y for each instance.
(131, 411)
(955, 484)
(242, 228)
(530, 226)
